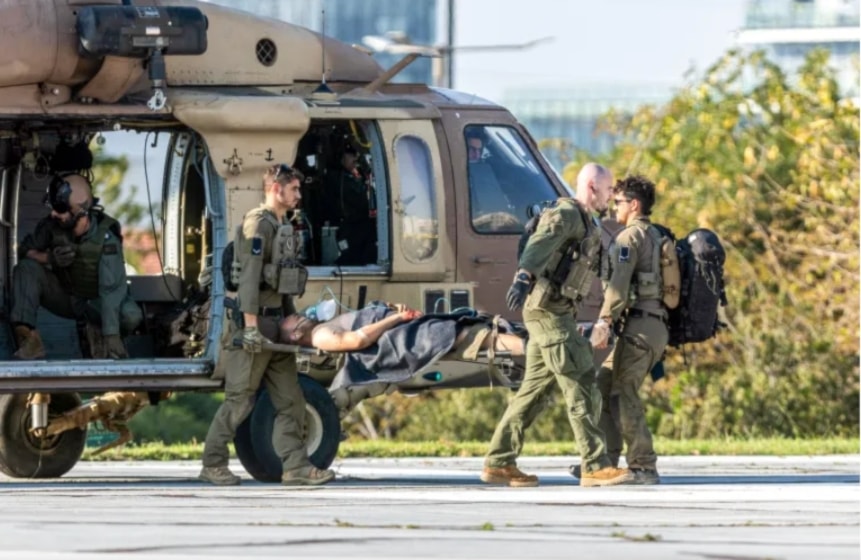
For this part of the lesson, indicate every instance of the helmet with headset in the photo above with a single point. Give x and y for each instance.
(70, 193)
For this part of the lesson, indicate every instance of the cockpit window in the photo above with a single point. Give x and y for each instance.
(418, 209)
(504, 179)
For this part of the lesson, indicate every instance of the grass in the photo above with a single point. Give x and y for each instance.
(386, 448)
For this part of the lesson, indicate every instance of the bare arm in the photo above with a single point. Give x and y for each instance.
(330, 340)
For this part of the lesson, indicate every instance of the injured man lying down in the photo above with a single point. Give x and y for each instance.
(390, 343)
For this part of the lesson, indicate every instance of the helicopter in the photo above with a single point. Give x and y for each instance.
(450, 181)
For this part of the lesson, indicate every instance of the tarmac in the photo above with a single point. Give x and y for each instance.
(736, 508)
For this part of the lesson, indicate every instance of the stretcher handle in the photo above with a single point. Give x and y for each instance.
(284, 348)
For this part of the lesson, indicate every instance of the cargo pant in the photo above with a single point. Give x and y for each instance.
(244, 372)
(609, 416)
(637, 351)
(555, 352)
(34, 286)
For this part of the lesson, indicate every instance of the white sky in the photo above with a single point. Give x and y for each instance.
(599, 41)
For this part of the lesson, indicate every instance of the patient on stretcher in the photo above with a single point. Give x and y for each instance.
(391, 343)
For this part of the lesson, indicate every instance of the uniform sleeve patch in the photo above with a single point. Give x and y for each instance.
(624, 253)
(257, 245)
(110, 249)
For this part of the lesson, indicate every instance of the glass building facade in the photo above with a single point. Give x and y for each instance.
(350, 20)
(564, 120)
(789, 29)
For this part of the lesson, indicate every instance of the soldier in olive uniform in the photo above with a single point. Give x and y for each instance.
(634, 295)
(72, 265)
(550, 290)
(261, 306)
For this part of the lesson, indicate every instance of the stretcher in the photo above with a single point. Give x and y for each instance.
(132, 385)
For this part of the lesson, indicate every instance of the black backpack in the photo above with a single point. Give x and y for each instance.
(701, 260)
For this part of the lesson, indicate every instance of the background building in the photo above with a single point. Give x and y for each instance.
(350, 20)
(789, 29)
(564, 119)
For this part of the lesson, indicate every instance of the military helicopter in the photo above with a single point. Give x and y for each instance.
(450, 178)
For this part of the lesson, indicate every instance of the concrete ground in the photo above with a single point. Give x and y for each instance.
(706, 507)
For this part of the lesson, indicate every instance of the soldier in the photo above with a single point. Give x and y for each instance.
(261, 303)
(555, 272)
(353, 210)
(72, 265)
(634, 296)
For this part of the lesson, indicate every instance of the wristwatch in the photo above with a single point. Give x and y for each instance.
(524, 277)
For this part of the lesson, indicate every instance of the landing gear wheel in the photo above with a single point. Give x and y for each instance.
(23, 455)
(322, 430)
(244, 445)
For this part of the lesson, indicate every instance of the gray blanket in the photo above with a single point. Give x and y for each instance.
(403, 350)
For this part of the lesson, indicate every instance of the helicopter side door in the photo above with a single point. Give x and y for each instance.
(498, 176)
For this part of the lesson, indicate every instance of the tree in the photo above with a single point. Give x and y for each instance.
(119, 200)
(772, 165)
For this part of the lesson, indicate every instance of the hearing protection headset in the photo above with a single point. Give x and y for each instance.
(59, 194)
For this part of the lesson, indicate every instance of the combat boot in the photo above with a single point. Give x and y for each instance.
(646, 476)
(509, 475)
(608, 476)
(30, 345)
(307, 476)
(220, 476)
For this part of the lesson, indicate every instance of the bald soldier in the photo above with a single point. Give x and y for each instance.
(73, 266)
(633, 295)
(555, 272)
(267, 281)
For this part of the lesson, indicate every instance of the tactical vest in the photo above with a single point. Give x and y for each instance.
(573, 267)
(284, 272)
(82, 277)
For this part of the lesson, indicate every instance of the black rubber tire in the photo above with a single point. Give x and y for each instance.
(21, 455)
(263, 418)
(245, 452)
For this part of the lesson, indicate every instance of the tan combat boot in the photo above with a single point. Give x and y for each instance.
(608, 476)
(220, 476)
(307, 476)
(30, 345)
(508, 475)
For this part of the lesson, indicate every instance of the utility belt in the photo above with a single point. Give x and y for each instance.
(640, 313)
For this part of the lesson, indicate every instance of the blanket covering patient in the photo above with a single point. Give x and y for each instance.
(391, 343)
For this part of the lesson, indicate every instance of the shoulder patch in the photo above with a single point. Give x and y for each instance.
(624, 253)
(256, 245)
(110, 248)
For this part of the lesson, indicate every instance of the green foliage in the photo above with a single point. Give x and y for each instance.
(772, 165)
(394, 449)
(119, 198)
(182, 418)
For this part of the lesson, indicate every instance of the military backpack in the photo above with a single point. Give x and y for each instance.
(701, 259)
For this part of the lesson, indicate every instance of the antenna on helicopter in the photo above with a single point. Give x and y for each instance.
(323, 88)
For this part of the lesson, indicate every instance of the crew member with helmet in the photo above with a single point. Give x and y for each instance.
(352, 204)
(73, 266)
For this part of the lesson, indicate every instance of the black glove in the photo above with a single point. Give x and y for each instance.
(518, 291)
(61, 256)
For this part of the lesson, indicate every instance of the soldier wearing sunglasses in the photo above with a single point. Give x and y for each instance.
(73, 266)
